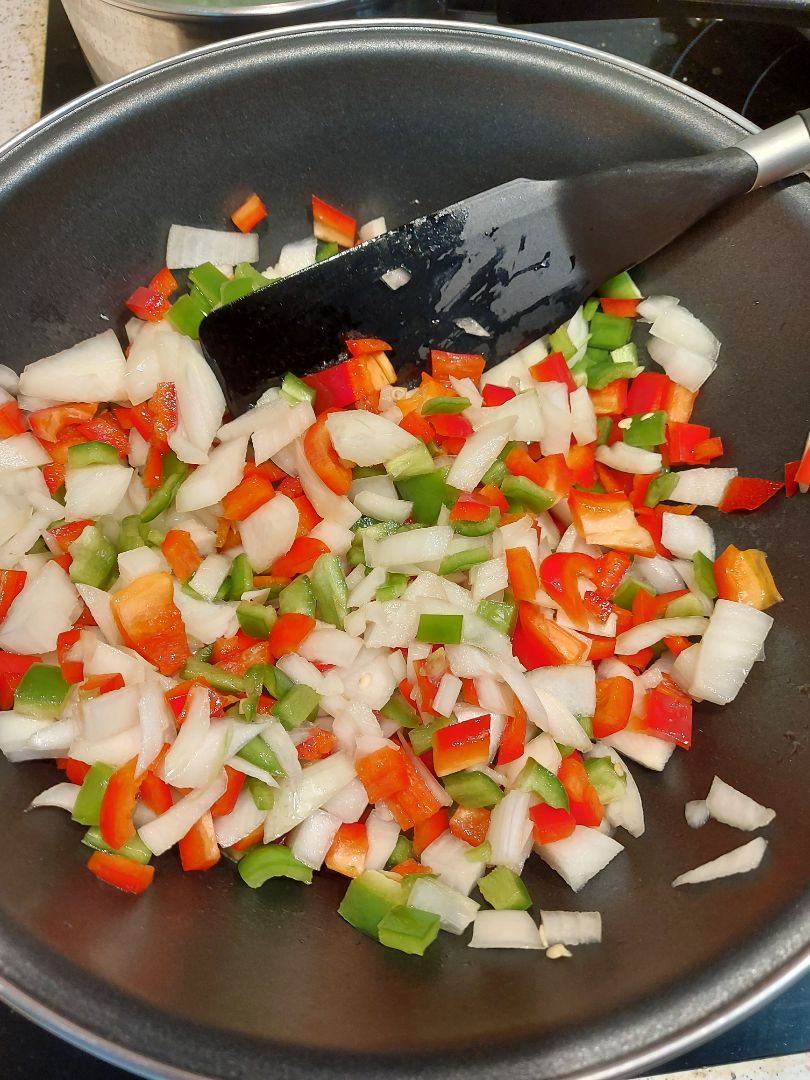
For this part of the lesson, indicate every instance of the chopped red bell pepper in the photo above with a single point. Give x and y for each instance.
(623, 308)
(553, 369)
(582, 795)
(150, 622)
(748, 493)
(367, 345)
(332, 226)
(163, 409)
(523, 579)
(249, 495)
(610, 569)
(451, 426)
(118, 805)
(288, 633)
(96, 685)
(156, 793)
(513, 740)
(682, 440)
(493, 496)
(49, 424)
(12, 669)
(333, 387)
(581, 462)
(559, 576)
(349, 850)
(611, 400)
(459, 365)
(75, 771)
(496, 395)
(415, 803)
(460, 745)
(539, 642)
(54, 477)
(153, 469)
(468, 508)
(382, 773)
(164, 282)
(12, 583)
(181, 553)
(614, 703)
(124, 874)
(470, 824)
(551, 823)
(646, 393)
(668, 713)
(249, 214)
(803, 472)
(323, 458)
(791, 484)
(199, 849)
(318, 744)
(429, 829)
(301, 557)
(227, 800)
(148, 304)
(105, 428)
(12, 421)
(708, 450)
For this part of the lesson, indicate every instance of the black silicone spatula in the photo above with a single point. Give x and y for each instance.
(517, 260)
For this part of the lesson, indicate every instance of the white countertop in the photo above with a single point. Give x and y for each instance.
(22, 31)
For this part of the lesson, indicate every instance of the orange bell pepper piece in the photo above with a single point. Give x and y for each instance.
(124, 874)
(150, 621)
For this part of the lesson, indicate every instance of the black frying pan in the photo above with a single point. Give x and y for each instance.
(203, 976)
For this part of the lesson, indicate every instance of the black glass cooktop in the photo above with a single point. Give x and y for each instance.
(757, 69)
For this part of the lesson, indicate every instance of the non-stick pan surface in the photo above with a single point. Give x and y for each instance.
(204, 976)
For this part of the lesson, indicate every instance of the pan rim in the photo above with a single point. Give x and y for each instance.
(720, 1018)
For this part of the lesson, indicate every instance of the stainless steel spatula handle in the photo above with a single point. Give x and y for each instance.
(780, 151)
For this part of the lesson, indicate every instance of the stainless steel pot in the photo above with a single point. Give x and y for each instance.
(118, 36)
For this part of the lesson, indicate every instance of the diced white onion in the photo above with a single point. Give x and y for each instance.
(209, 484)
(524, 409)
(696, 813)
(649, 309)
(729, 649)
(371, 230)
(580, 856)
(509, 830)
(395, 279)
(382, 834)
(62, 796)
(447, 857)
(209, 575)
(572, 927)
(504, 930)
(22, 452)
(647, 750)
(739, 861)
(188, 246)
(110, 713)
(244, 819)
(646, 634)
(626, 812)
(327, 504)
(705, 487)
(366, 438)
(94, 491)
(679, 327)
(269, 532)
(167, 829)
(629, 459)
(382, 508)
(727, 804)
(47, 606)
(684, 367)
(310, 841)
(203, 620)
(556, 418)
(479, 452)
(583, 416)
(92, 370)
(455, 910)
(317, 784)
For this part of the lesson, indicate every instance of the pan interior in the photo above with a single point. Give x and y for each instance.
(208, 977)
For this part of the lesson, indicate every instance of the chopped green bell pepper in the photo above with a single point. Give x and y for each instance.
(504, 890)
(173, 474)
(296, 391)
(331, 590)
(88, 802)
(482, 853)
(240, 578)
(408, 930)
(660, 489)
(445, 404)
(604, 774)
(368, 899)
(298, 598)
(604, 426)
(92, 453)
(646, 430)
(258, 753)
(626, 593)
(589, 308)
(428, 492)
(95, 560)
(416, 461)
(463, 560)
(259, 281)
(421, 736)
(297, 706)
(263, 795)
(325, 250)
(269, 861)
(216, 677)
(403, 849)
(473, 789)
(185, 315)
(540, 781)
(524, 492)
(620, 287)
(398, 710)
(560, 341)
(501, 615)
(134, 848)
(704, 574)
(394, 587)
(440, 629)
(209, 280)
(497, 470)
(478, 528)
(268, 677)
(234, 289)
(602, 374)
(41, 692)
(256, 619)
(609, 331)
(131, 533)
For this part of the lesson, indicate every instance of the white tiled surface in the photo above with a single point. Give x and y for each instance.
(22, 34)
